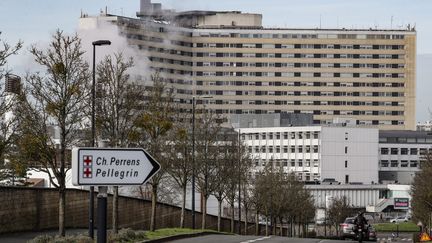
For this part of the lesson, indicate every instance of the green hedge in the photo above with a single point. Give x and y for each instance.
(392, 227)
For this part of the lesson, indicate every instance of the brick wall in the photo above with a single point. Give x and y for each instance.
(35, 209)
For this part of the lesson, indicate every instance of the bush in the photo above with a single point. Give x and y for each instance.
(67, 239)
(42, 239)
(311, 234)
(126, 235)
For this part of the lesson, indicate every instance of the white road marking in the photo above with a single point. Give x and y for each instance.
(258, 239)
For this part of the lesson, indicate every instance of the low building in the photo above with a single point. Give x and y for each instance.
(315, 153)
(400, 154)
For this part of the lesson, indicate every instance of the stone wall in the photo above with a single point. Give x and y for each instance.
(35, 209)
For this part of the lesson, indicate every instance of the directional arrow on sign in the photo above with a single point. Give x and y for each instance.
(112, 166)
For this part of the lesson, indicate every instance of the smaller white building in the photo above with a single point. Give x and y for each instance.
(400, 154)
(314, 153)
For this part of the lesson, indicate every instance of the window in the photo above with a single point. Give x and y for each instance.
(300, 163)
(346, 179)
(292, 163)
(384, 163)
(394, 163)
(346, 136)
(404, 150)
(404, 163)
(413, 151)
(394, 150)
(315, 163)
(346, 163)
(413, 163)
(384, 150)
(346, 149)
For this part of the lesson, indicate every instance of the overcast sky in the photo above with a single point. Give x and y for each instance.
(35, 20)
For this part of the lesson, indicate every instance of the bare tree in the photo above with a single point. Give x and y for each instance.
(207, 129)
(8, 125)
(338, 211)
(152, 132)
(180, 168)
(56, 100)
(118, 108)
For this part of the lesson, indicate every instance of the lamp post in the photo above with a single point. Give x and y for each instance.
(239, 189)
(93, 129)
(193, 156)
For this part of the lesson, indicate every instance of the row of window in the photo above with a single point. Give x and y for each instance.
(268, 55)
(298, 46)
(292, 74)
(302, 93)
(406, 151)
(402, 163)
(279, 135)
(280, 55)
(293, 65)
(298, 84)
(288, 163)
(405, 140)
(299, 36)
(284, 149)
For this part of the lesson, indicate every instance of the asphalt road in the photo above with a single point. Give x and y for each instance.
(382, 238)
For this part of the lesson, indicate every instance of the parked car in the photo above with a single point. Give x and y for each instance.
(346, 230)
(399, 219)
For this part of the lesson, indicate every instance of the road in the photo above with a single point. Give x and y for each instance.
(382, 238)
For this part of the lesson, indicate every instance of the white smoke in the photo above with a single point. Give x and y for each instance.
(92, 29)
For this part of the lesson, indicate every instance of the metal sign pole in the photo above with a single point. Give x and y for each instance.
(102, 214)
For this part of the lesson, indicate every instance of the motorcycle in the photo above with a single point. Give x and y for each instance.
(361, 233)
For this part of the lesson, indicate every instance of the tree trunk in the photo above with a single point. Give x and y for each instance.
(266, 223)
(219, 221)
(232, 217)
(246, 221)
(182, 216)
(115, 210)
(62, 210)
(274, 225)
(204, 212)
(257, 226)
(280, 227)
(153, 209)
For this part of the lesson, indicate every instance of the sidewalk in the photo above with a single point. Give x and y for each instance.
(22, 237)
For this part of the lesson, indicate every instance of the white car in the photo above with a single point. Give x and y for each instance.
(399, 219)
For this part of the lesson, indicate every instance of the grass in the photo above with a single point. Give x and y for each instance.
(392, 227)
(161, 233)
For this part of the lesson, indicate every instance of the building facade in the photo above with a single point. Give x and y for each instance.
(316, 153)
(365, 74)
(401, 153)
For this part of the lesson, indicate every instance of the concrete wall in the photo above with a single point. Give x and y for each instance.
(357, 146)
(35, 209)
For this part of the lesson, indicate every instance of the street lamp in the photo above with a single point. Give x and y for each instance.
(193, 154)
(91, 206)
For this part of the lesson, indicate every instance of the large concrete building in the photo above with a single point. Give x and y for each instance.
(365, 74)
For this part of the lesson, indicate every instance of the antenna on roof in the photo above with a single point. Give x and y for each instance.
(391, 22)
(320, 21)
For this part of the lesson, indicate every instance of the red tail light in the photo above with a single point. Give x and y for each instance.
(343, 225)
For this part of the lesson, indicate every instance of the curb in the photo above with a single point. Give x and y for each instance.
(183, 236)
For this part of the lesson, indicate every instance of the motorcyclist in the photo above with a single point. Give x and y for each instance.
(361, 222)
